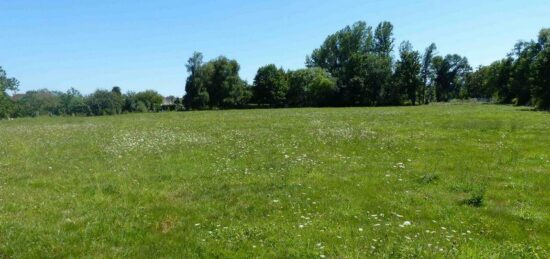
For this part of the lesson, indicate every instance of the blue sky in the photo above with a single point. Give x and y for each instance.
(140, 45)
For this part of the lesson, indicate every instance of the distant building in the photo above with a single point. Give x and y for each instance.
(168, 104)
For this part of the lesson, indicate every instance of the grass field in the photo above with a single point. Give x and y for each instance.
(454, 180)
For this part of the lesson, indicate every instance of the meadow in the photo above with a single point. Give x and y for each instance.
(439, 181)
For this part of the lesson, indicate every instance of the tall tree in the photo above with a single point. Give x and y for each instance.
(6, 84)
(383, 39)
(196, 95)
(270, 86)
(407, 72)
(225, 87)
(359, 61)
(427, 92)
(541, 72)
(118, 99)
(450, 73)
(310, 87)
(524, 55)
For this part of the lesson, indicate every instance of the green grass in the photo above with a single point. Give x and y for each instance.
(472, 181)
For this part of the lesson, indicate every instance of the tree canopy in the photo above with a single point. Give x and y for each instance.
(355, 66)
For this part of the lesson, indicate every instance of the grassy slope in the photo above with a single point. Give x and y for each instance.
(278, 183)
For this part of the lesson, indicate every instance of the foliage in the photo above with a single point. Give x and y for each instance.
(196, 96)
(450, 75)
(427, 91)
(216, 84)
(541, 76)
(6, 84)
(522, 78)
(270, 86)
(407, 78)
(310, 87)
(103, 102)
(35, 103)
(361, 63)
(150, 98)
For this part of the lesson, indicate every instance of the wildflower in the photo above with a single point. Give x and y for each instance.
(360, 229)
(406, 223)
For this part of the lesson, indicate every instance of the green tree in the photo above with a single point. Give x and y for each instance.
(427, 92)
(450, 73)
(150, 98)
(408, 72)
(6, 84)
(39, 102)
(360, 61)
(118, 99)
(541, 72)
(72, 103)
(310, 87)
(102, 102)
(196, 95)
(223, 84)
(270, 86)
(383, 39)
(524, 55)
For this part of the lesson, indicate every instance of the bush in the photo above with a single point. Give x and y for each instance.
(477, 196)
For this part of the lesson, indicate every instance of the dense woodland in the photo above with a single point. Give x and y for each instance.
(356, 66)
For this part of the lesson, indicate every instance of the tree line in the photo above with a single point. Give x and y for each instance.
(355, 66)
(352, 67)
(72, 102)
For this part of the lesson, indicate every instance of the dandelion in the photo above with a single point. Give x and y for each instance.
(360, 229)
(301, 226)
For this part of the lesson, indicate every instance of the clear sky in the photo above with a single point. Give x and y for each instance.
(140, 45)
